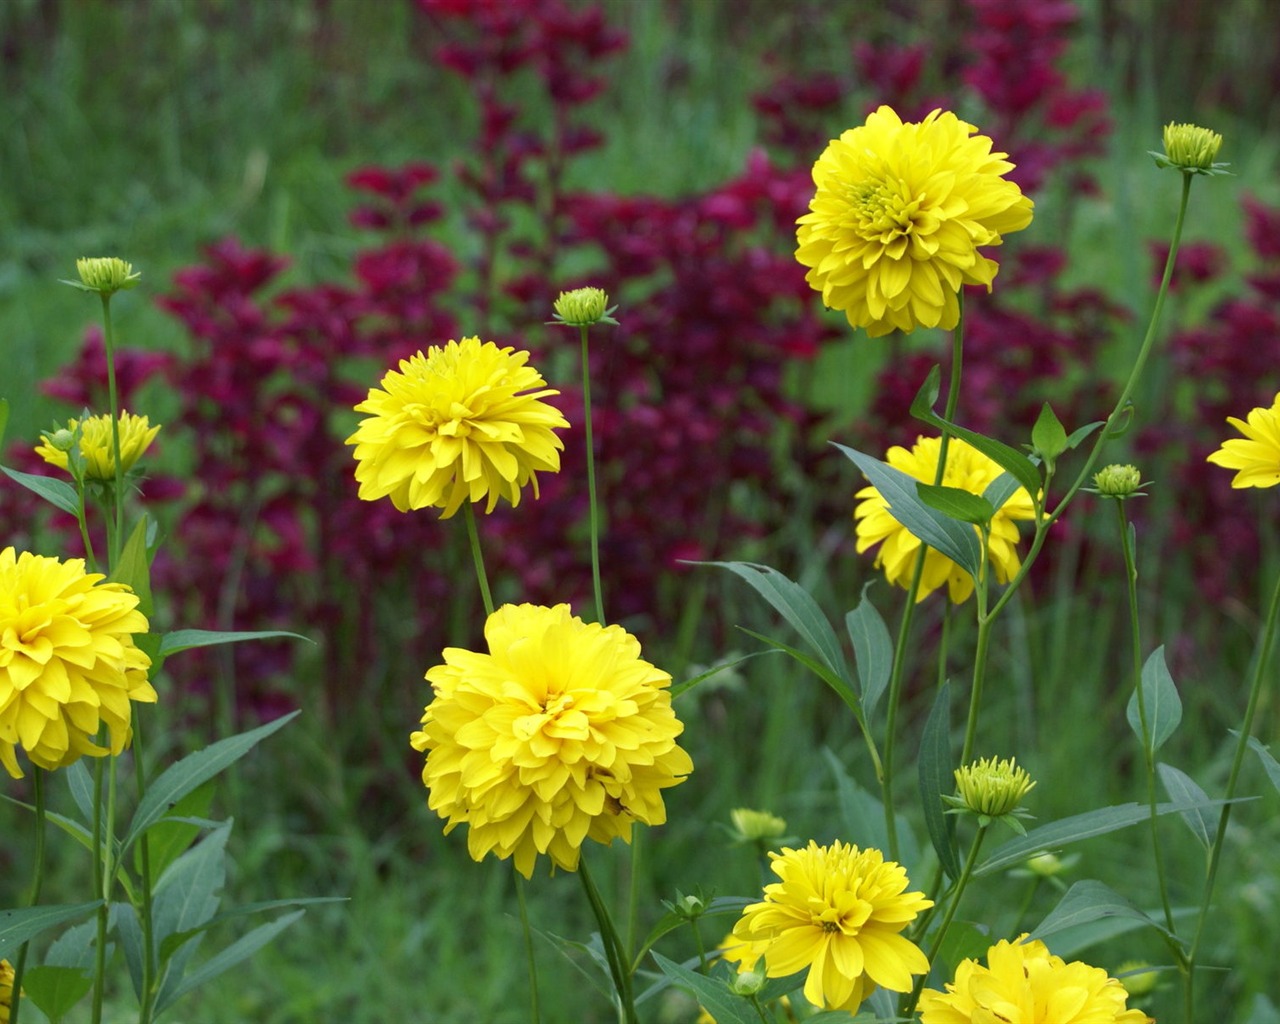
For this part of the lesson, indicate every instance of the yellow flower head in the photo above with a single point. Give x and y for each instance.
(583, 307)
(992, 788)
(68, 663)
(136, 435)
(6, 990)
(455, 425)
(106, 274)
(1257, 454)
(559, 733)
(899, 215)
(1025, 983)
(837, 913)
(752, 826)
(967, 469)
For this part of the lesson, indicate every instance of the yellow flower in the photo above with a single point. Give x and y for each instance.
(6, 990)
(453, 426)
(899, 215)
(1027, 984)
(967, 469)
(992, 788)
(1257, 454)
(136, 435)
(561, 732)
(1190, 147)
(837, 913)
(68, 663)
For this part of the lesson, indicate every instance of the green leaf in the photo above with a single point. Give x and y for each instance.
(80, 782)
(957, 503)
(872, 650)
(1164, 709)
(58, 493)
(4, 418)
(1089, 901)
(1048, 436)
(593, 951)
(134, 567)
(714, 670)
(1269, 763)
(963, 941)
(1065, 831)
(187, 896)
(1184, 793)
(795, 605)
(127, 928)
(1009, 459)
(842, 687)
(955, 540)
(169, 837)
(936, 773)
(19, 926)
(1001, 489)
(238, 951)
(56, 989)
(712, 992)
(186, 639)
(1080, 433)
(669, 921)
(861, 813)
(194, 770)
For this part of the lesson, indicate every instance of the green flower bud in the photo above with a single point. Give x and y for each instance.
(106, 275)
(1137, 981)
(991, 788)
(749, 983)
(62, 440)
(583, 307)
(1046, 865)
(756, 826)
(1118, 481)
(1191, 149)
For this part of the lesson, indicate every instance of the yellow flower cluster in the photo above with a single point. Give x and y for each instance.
(68, 663)
(836, 912)
(458, 424)
(560, 732)
(900, 212)
(967, 469)
(1025, 982)
(97, 446)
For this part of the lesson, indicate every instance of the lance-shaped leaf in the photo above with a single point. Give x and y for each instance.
(872, 650)
(1190, 799)
(958, 541)
(712, 992)
(937, 777)
(1089, 901)
(1048, 436)
(58, 493)
(19, 926)
(1269, 764)
(957, 503)
(134, 566)
(1160, 696)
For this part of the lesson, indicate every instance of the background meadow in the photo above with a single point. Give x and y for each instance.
(314, 189)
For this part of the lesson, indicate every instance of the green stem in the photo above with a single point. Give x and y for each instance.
(144, 852)
(1148, 753)
(981, 585)
(99, 892)
(1117, 413)
(108, 339)
(591, 479)
(904, 627)
(534, 1011)
(20, 966)
(1237, 762)
(477, 556)
(614, 953)
(966, 873)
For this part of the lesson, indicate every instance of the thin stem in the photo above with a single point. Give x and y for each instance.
(534, 1011)
(981, 586)
(19, 967)
(477, 556)
(594, 513)
(1237, 762)
(108, 339)
(1148, 755)
(144, 852)
(99, 892)
(1117, 413)
(957, 893)
(904, 627)
(613, 950)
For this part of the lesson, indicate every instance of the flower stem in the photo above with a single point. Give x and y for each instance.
(966, 873)
(1237, 762)
(37, 780)
(614, 953)
(477, 556)
(904, 627)
(594, 513)
(1148, 754)
(108, 339)
(144, 853)
(534, 1012)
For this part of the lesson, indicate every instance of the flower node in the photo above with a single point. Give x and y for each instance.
(1189, 147)
(583, 307)
(1118, 481)
(993, 788)
(106, 274)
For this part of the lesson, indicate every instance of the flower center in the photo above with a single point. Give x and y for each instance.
(881, 210)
